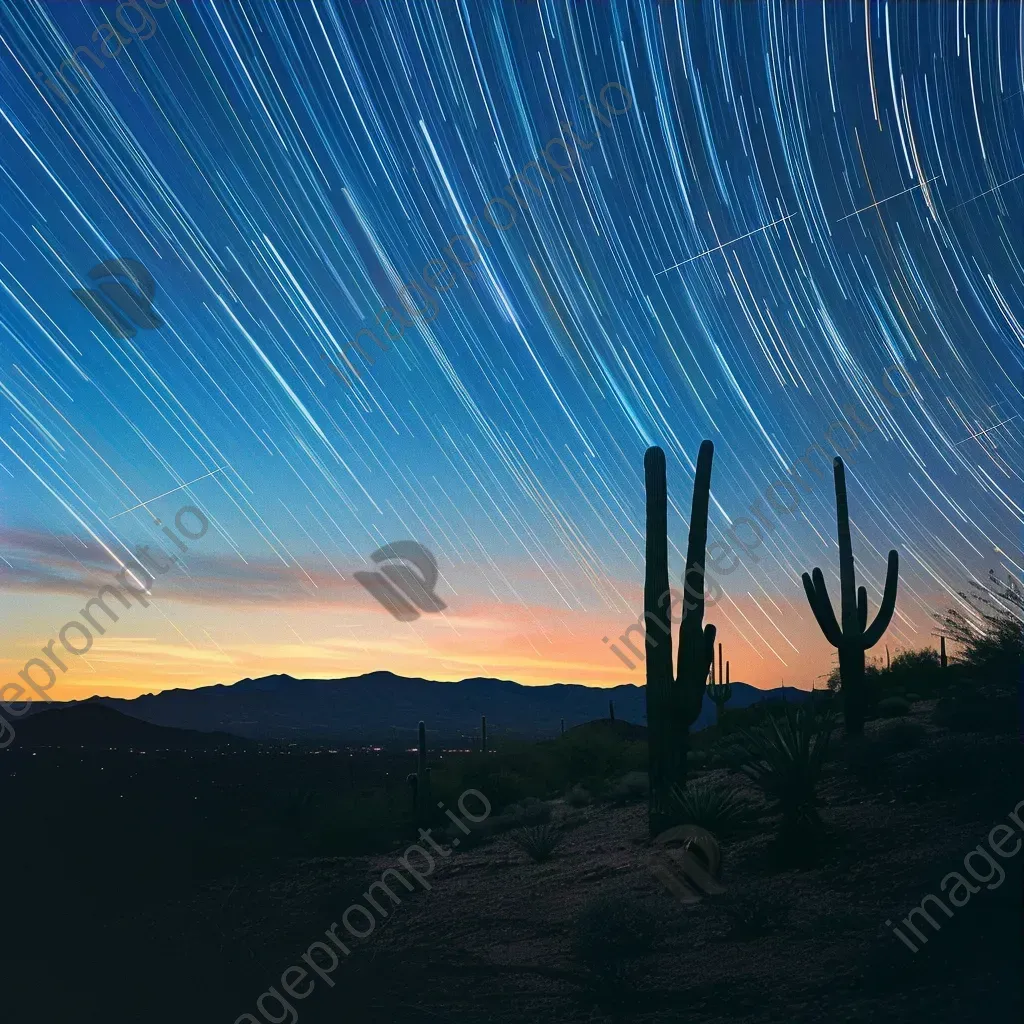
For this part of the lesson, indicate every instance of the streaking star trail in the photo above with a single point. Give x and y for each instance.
(799, 203)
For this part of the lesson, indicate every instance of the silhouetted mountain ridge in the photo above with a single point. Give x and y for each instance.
(95, 725)
(383, 707)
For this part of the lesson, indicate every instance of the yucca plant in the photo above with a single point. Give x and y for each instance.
(538, 842)
(719, 809)
(784, 757)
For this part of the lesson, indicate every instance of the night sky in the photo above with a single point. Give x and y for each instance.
(776, 218)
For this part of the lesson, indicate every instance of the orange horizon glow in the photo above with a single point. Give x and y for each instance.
(180, 641)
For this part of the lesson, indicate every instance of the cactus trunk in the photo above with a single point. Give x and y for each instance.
(611, 710)
(674, 699)
(942, 652)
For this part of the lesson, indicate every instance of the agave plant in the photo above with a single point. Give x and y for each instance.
(538, 842)
(719, 809)
(784, 757)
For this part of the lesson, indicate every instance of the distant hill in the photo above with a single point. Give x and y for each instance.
(382, 707)
(94, 725)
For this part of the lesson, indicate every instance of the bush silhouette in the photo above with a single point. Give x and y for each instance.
(892, 707)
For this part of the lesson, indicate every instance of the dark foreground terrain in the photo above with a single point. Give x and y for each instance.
(181, 885)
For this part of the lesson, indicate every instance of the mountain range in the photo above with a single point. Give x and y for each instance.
(381, 707)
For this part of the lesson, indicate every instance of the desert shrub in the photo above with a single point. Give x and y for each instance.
(751, 917)
(974, 778)
(785, 757)
(568, 818)
(977, 711)
(506, 778)
(591, 756)
(903, 734)
(482, 831)
(631, 788)
(578, 796)
(722, 810)
(734, 720)
(530, 811)
(913, 697)
(991, 632)
(892, 707)
(918, 671)
(538, 842)
(696, 758)
(610, 935)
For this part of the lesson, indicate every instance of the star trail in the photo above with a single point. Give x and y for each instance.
(799, 199)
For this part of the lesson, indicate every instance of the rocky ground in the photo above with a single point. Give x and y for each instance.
(499, 938)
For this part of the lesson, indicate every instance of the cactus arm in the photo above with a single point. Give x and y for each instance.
(817, 597)
(862, 608)
(888, 606)
(691, 626)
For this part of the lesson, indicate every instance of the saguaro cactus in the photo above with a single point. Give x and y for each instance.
(674, 698)
(483, 734)
(855, 636)
(424, 800)
(942, 652)
(611, 710)
(719, 692)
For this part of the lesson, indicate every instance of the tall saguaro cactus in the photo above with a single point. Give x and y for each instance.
(674, 698)
(855, 636)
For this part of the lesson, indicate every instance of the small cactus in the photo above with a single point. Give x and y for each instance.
(855, 636)
(719, 692)
(421, 789)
